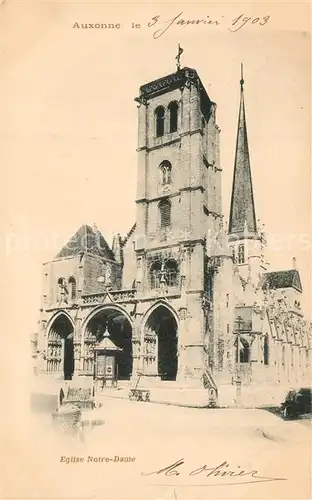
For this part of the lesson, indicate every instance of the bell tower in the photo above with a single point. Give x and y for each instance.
(179, 174)
(178, 202)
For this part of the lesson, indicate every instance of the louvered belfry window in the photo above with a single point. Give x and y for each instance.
(165, 213)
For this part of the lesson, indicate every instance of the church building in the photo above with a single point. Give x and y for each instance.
(186, 297)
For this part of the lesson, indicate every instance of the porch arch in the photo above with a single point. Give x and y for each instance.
(60, 345)
(154, 306)
(160, 338)
(56, 315)
(116, 321)
(103, 307)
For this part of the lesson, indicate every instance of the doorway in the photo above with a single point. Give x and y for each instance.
(60, 352)
(162, 323)
(119, 328)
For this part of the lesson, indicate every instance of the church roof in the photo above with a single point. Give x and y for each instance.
(107, 345)
(87, 240)
(242, 212)
(177, 80)
(283, 279)
(129, 234)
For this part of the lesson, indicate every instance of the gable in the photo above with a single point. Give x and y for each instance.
(86, 240)
(283, 279)
(297, 282)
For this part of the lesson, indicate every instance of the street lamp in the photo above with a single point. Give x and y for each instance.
(238, 380)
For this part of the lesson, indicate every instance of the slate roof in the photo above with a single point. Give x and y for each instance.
(242, 211)
(87, 240)
(282, 279)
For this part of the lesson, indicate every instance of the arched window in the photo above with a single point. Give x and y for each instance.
(165, 213)
(241, 254)
(244, 351)
(173, 116)
(266, 350)
(292, 356)
(245, 354)
(61, 285)
(155, 274)
(62, 292)
(72, 288)
(165, 171)
(171, 268)
(160, 121)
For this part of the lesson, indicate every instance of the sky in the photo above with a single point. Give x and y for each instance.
(68, 127)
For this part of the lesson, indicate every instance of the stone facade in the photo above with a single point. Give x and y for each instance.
(177, 294)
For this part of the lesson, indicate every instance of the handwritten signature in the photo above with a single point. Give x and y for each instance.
(222, 470)
(236, 24)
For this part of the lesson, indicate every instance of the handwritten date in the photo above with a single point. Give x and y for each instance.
(241, 21)
(236, 24)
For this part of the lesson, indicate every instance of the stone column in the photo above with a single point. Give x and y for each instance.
(61, 364)
(135, 355)
(140, 272)
(80, 277)
(181, 375)
(186, 115)
(77, 344)
(137, 347)
(77, 352)
(150, 355)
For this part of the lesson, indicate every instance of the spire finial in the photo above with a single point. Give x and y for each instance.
(242, 77)
(178, 57)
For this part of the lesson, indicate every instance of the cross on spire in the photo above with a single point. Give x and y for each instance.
(178, 56)
(242, 77)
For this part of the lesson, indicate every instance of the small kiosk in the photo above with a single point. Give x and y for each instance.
(105, 363)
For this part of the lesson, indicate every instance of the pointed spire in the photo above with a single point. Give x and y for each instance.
(242, 78)
(86, 240)
(242, 213)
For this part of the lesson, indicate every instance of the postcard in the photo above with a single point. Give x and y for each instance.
(156, 250)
